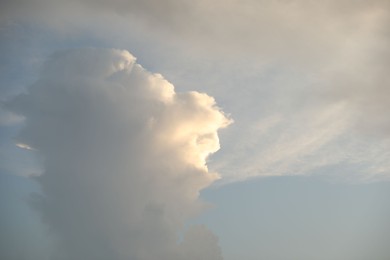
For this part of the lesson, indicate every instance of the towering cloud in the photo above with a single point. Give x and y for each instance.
(125, 157)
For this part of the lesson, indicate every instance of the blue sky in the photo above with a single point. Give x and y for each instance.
(255, 129)
(300, 218)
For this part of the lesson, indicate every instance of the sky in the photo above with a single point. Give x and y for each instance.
(191, 130)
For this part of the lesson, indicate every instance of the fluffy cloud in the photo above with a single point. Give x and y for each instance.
(124, 157)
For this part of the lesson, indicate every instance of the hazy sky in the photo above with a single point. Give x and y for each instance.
(171, 129)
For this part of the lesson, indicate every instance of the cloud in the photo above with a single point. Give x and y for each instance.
(124, 157)
(293, 60)
(315, 142)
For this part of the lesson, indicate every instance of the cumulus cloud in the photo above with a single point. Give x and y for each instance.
(124, 157)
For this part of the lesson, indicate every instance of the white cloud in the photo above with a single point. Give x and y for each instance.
(124, 157)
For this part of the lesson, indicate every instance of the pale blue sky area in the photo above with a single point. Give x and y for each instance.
(22, 234)
(300, 218)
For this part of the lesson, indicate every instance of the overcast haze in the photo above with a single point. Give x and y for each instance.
(194, 129)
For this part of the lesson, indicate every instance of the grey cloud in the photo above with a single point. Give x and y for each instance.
(124, 157)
